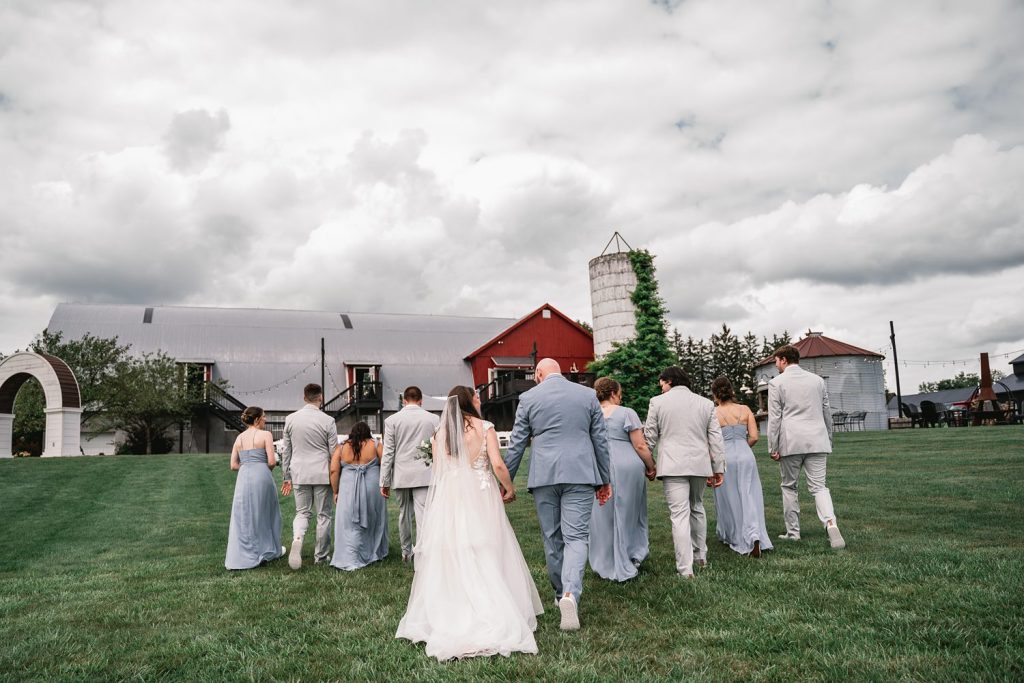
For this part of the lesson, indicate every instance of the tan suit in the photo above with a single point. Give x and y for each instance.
(684, 429)
(310, 436)
(800, 430)
(402, 470)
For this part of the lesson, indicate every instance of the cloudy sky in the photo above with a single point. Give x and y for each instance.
(792, 165)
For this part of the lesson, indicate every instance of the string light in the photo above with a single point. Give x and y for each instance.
(282, 383)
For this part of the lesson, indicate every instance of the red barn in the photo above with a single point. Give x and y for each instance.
(503, 366)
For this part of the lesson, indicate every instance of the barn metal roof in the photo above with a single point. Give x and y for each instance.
(268, 355)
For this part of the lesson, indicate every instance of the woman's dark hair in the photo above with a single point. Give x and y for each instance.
(251, 415)
(675, 376)
(723, 390)
(464, 395)
(604, 387)
(359, 435)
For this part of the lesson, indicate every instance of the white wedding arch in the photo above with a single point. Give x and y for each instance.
(63, 402)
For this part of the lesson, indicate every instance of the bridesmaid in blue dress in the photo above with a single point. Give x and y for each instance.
(361, 513)
(739, 501)
(254, 534)
(618, 529)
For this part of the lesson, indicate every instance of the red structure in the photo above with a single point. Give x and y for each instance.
(548, 331)
(503, 367)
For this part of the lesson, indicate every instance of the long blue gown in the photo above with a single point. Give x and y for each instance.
(618, 529)
(739, 501)
(361, 517)
(254, 534)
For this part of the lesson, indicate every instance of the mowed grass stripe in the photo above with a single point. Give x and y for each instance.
(112, 569)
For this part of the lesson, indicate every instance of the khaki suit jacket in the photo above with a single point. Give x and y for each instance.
(310, 436)
(400, 466)
(684, 429)
(799, 417)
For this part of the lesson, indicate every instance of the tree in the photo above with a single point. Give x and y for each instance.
(637, 363)
(151, 398)
(963, 380)
(768, 347)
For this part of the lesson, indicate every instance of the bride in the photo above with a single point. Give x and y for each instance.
(472, 593)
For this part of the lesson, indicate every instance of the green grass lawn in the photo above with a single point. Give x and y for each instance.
(111, 568)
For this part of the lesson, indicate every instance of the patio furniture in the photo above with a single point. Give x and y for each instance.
(929, 415)
(855, 421)
(911, 411)
(839, 421)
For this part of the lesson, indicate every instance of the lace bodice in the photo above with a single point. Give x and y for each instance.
(481, 463)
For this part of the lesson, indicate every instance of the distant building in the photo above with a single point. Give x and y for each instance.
(266, 356)
(853, 376)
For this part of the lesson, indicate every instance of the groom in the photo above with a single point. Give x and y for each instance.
(569, 461)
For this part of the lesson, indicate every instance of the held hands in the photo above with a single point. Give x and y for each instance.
(335, 498)
(385, 491)
(507, 495)
(716, 479)
(776, 455)
(651, 474)
(603, 494)
(286, 488)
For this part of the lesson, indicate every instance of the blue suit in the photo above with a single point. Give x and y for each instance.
(569, 458)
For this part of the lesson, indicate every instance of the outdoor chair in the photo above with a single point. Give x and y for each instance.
(839, 421)
(929, 415)
(856, 420)
(911, 411)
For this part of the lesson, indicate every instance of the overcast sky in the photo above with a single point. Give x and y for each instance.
(792, 165)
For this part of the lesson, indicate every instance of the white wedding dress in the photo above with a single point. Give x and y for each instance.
(472, 593)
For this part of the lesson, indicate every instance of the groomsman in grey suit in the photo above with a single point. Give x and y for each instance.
(401, 469)
(800, 437)
(690, 455)
(569, 465)
(310, 436)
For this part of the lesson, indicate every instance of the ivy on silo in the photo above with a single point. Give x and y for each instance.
(637, 363)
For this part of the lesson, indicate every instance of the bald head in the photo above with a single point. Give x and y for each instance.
(547, 366)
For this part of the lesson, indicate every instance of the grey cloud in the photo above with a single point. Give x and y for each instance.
(193, 137)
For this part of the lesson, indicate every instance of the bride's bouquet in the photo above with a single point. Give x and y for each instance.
(425, 452)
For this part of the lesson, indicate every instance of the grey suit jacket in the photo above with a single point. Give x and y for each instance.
(685, 430)
(799, 418)
(403, 433)
(310, 437)
(570, 439)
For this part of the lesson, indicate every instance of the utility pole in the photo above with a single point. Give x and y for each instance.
(896, 365)
(323, 371)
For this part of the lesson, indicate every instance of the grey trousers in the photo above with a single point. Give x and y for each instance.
(813, 465)
(309, 497)
(685, 498)
(563, 511)
(411, 503)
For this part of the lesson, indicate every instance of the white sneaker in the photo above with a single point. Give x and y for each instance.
(570, 619)
(789, 536)
(835, 538)
(295, 556)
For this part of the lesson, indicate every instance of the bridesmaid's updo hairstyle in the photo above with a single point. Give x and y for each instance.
(605, 387)
(251, 415)
(723, 390)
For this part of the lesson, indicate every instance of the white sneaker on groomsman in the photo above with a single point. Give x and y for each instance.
(789, 536)
(295, 556)
(570, 617)
(834, 537)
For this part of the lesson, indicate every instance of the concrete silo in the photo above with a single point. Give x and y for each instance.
(612, 282)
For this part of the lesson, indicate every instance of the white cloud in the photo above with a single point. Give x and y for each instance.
(472, 158)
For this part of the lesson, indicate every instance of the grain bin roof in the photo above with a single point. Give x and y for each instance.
(267, 355)
(817, 345)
